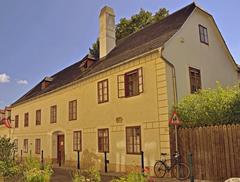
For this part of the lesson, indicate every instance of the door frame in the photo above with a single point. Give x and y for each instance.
(61, 157)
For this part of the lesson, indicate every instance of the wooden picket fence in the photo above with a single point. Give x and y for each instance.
(215, 150)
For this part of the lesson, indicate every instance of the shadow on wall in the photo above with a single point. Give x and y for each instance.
(89, 159)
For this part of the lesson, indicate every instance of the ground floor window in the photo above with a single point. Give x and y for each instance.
(37, 146)
(77, 141)
(25, 145)
(103, 140)
(133, 139)
(16, 145)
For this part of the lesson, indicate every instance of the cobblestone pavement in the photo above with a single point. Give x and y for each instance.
(64, 175)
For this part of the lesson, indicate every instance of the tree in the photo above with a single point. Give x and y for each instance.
(94, 51)
(128, 26)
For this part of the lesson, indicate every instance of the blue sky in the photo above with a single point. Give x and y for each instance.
(39, 38)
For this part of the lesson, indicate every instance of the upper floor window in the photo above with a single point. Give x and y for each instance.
(103, 140)
(102, 87)
(16, 121)
(203, 33)
(53, 114)
(73, 110)
(37, 146)
(130, 84)
(38, 117)
(26, 120)
(133, 139)
(77, 141)
(25, 145)
(195, 79)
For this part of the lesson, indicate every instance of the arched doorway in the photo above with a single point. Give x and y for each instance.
(58, 147)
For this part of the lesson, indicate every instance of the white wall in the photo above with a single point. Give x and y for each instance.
(185, 50)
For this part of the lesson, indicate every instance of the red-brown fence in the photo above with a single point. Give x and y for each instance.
(215, 150)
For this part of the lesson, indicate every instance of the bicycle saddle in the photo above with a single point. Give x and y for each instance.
(163, 153)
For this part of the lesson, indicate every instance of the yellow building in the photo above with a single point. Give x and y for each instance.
(122, 102)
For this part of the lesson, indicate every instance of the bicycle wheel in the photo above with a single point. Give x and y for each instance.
(181, 171)
(160, 169)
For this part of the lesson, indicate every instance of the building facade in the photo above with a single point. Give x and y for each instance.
(121, 103)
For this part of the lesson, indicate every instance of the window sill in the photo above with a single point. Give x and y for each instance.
(133, 153)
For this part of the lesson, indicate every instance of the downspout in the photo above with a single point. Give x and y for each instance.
(174, 81)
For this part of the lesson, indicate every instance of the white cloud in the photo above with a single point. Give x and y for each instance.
(4, 78)
(22, 82)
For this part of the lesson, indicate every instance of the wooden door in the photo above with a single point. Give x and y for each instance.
(60, 150)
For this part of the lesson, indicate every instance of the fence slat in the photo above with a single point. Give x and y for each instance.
(231, 150)
(226, 147)
(235, 154)
(238, 148)
(215, 150)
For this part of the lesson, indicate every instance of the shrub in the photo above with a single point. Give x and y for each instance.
(92, 175)
(6, 149)
(132, 177)
(8, 167)
(210, 107)
(34, 173)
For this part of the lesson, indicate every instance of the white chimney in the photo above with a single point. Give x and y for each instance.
(107, 39)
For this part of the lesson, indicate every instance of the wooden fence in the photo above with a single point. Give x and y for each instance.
(215, 150)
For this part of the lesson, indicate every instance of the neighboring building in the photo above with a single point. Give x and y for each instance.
(4, 113)
(122, 102)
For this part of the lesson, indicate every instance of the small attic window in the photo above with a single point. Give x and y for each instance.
(87, 61)
(46, 82)
(203, 34)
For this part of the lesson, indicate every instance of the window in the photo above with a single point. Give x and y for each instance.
(77, 141)
(26, 119)
(103, 140)
(195, 79)
(133, 140)
(38, 117)
(102, 87)
(25, 145)
(53, 114)
(37, 146)
(130, 84)
(16, 121)
(73, 110)
(203, 33)
(16, 145)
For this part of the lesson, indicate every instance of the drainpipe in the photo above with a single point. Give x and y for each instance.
(174, 81)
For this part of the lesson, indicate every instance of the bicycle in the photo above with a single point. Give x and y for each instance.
(180, 170)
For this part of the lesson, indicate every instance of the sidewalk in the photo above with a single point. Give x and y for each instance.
(62, 174)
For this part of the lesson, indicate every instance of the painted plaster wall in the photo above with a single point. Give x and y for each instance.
(148, 110)
(185, 50)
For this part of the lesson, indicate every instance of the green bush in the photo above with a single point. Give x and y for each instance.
(132, 177)
(6, 149)
(34, 173)
(210, 107)
(8, 167)
(92, 175)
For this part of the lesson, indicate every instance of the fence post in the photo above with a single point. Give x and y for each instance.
(13, 155)
(190, 162)
(106, 162)
(78, 159)
(142, 161)
(42, 166)
(21, 155)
